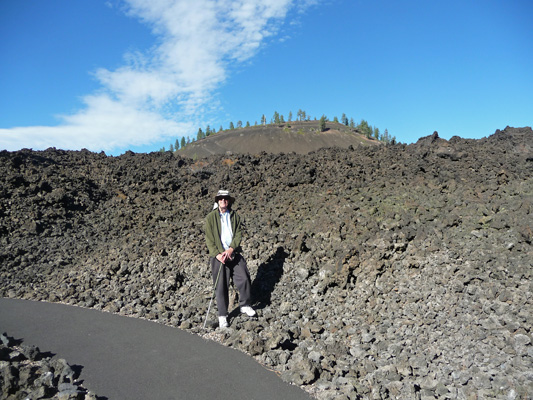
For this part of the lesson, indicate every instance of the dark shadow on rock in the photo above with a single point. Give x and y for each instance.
(44, 355)
(268, 275)
(10, 340)
(77, 370)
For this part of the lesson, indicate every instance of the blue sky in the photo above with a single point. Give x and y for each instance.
(114, 75)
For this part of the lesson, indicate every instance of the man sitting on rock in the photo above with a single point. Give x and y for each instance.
(223, 237)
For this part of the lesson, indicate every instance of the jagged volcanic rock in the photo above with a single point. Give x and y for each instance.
(384, 272)
(27, 373)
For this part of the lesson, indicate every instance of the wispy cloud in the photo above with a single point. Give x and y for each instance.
(160, 94)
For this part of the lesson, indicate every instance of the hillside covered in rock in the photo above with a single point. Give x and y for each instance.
(384, 272)
(300, 137)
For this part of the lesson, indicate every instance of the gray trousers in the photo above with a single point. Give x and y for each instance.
(237, 270)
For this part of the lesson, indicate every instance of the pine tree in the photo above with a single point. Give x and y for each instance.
(171, 149)
(220, 129)
(239, 124)
(276, 117)
(207, 131)
(352, 123)
(323, 120)
(183, 143)
(231, 126)
(263, 120)
(301, 115)
(290, 116)
(364, 128)
(177, 145)
(335, 119)
(200, 134)
(344, 119)
(247, 124)
(385, 136)
(376, 133)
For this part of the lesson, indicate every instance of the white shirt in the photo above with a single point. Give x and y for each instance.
(226, 234)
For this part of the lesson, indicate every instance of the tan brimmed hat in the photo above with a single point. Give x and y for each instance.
(224, 193)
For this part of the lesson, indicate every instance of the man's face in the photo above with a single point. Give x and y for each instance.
(223, 204)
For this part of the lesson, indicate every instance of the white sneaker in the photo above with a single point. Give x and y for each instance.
(248, 311)
(222, 322)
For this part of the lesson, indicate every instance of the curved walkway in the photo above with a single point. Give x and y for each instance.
(129, 358)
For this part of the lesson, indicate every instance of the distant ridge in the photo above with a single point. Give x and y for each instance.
(300, 137)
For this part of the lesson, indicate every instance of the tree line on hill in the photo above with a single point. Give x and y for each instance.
(363, 127)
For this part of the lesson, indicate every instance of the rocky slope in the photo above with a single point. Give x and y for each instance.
(378, 272)
(300, 137)
(27, 373)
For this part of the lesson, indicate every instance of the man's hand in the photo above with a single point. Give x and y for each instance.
(226, 256)
(229, 254)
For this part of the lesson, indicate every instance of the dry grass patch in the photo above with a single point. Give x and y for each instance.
(198, 166)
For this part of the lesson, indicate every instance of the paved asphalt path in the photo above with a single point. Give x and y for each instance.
(128, 358)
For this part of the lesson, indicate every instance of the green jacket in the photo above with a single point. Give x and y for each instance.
(213, 229)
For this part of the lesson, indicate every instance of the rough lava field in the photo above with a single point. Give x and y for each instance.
(379, 272)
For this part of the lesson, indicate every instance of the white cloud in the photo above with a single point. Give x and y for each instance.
(105, 124)
(142, 102)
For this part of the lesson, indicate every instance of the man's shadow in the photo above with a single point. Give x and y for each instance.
(268, 275)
